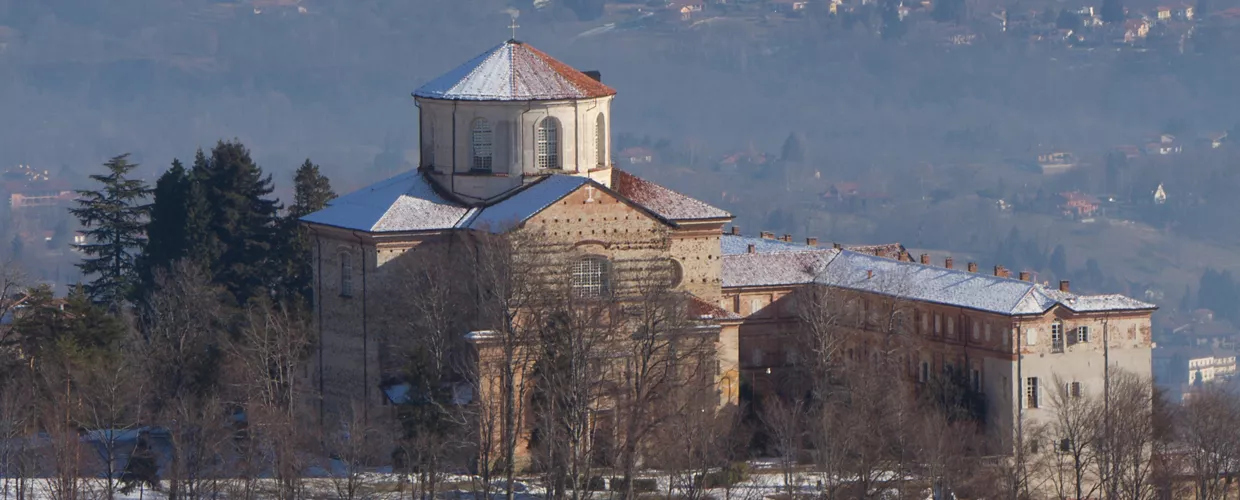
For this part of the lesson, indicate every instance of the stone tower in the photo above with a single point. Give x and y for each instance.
(509, 116)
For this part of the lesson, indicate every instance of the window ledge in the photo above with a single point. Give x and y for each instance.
(482, 173)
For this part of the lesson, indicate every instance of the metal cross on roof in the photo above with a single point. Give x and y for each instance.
(513, 25)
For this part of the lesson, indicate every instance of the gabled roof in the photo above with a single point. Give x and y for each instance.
(409, 203)
(666, 203)
(525, 203)
(513, 71)
(406, 202)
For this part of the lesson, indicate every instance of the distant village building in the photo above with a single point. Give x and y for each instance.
(1164, 144)
(1057, 162)
(1160, 195)
(515, 142)
(1078, 205)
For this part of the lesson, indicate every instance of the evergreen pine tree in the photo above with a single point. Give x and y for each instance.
(794, 149)
(114, 218)
(241, 220)
(312, 190)
(177, 226)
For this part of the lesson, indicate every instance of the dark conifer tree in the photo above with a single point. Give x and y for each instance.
(311, 192)
(114, 217)
(241, 220)
(177, 226)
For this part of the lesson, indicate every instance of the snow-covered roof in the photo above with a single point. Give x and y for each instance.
(666, 203)
(525, 203)
(406, 202)
(513, 71)
(736, 244)
(775, 268)
(909, 280)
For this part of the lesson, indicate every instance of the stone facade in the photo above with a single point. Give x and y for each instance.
(742, 291)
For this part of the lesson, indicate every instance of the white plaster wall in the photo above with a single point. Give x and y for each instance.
(446, 129)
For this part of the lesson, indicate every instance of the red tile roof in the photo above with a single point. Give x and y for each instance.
(514, 71)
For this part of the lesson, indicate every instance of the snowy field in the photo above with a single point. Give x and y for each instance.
(765, 482)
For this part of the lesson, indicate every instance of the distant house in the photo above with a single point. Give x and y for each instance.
(850, 196)
(743, 158)
(685, 9)
(787, 6)
(1183, 12)
(637, 155)
(1078, 205)
(1217, 139)
(1135, 29)
(1163, 13)
(1164, 144)
(1056, 162)
(1160, 195)
(1130, 152)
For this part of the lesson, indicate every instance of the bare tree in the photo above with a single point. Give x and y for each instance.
(1207, 430)
(110, 409)
(1075, 430)
(183, 325)
(784, 421)
(353, 445)
(268, 360)
(510, 271)
(662, 351)
(1128, 438)
(16, 422)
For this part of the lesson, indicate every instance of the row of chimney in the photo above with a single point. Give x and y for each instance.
(1000, 271)
(767, 235)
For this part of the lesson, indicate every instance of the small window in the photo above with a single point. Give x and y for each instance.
(346, 275)
(977, 330)
(1031, 392)
(547, 143)
(986, 332)
(482, 145)
(590, 277)
(1065, 445)
(925, 323)
(924, 376)
(1057, 337)
(951, 326)
(1082, 334)
(977, 380)
(755, 305)
(1074, 390)
(1031, 336)
(938, 324)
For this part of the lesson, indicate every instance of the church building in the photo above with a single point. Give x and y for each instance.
(514, 140)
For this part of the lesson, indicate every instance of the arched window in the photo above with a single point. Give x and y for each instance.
(600, 140)
(547, 143)
(590, 276)
(482, 140)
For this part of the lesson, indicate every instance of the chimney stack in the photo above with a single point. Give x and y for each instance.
(948, 263)
(1063, 286)
(1024, 275)
(973, 267)
(837, 246)
(999, 271)
(925, 258)
(767, 235)
(903, 257)
(736, 231)
(813, 242)
(788, 238)
(597, 76)
(869, 273)
(753, 248)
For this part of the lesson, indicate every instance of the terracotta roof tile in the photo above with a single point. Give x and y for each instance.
(663, 201)
(514, 71)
